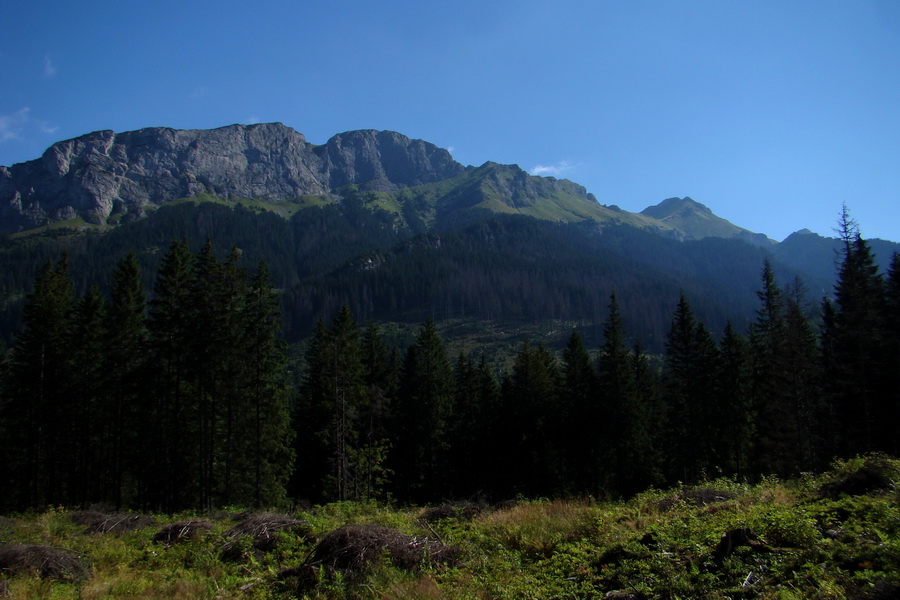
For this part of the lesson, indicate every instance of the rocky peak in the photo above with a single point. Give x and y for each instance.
(104, 173)
(384, 160)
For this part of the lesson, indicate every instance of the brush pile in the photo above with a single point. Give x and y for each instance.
(262, 530)
(354, 548)
(182, 531)
(46, 561)
(97, 522)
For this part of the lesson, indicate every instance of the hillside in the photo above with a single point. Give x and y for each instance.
(390, 225)
(387, 267)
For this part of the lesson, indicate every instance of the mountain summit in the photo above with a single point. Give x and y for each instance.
(696, 221)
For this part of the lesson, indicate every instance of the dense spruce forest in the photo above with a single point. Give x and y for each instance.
(182, 395)
(506, 268)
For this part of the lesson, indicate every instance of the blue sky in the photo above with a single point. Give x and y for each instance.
(773, 114)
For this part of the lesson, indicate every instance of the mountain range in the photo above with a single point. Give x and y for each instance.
(392, 225)
(104, 178)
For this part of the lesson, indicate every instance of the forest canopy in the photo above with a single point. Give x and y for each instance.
(185, 396)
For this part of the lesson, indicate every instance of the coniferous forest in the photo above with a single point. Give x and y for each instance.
(183, 395)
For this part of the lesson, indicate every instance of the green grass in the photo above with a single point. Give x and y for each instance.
(660, 544)
(73, 226)
(283, 208)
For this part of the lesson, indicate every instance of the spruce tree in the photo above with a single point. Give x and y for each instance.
(380, 378)
(802, 390)
(207, 364)
(579, 401)
(464, 427)
(423, 417)
(311, 418)
(777, 430)
(651, 415)
(857, 376)
(39, 411)
(889, 415)
(126, 336)
(627, 462)
(334, 392)
(263, 425)
(347, 392)
(689, 392)
(737, 414)
(86, 443)
(534, 426)
(170, 448)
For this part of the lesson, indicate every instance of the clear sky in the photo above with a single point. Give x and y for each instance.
(772, 113)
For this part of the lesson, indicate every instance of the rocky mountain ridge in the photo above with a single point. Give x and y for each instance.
(106, 175)
(107, 178)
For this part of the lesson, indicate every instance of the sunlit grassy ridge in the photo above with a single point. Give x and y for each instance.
(835, 535)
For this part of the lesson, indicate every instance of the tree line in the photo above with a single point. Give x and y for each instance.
(183, 400)
(784, 397)
(168, 403)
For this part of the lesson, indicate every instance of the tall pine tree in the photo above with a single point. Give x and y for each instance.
(422, 423)
(856, 383)
(39, 410)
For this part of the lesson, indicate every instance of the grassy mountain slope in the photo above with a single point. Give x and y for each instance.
(694, 221)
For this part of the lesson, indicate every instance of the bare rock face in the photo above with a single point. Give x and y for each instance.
(104, 173)
(384, 160)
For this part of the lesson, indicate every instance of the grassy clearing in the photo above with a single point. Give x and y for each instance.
(835, 535)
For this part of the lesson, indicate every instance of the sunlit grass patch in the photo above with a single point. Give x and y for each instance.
(537, 528)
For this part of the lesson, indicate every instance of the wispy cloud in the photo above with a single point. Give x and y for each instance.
(47, 128)
(198, 93)
(11, 125)
(554, 170)
(253, 120)
(49, 67)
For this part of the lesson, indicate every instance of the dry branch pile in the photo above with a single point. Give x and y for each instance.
(46, 561)
(262, 529)
(355, 547)
(116, 523)
(182, 531)
(875, 475)
(461, 512)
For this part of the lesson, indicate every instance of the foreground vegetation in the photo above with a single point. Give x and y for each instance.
(835, 535)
